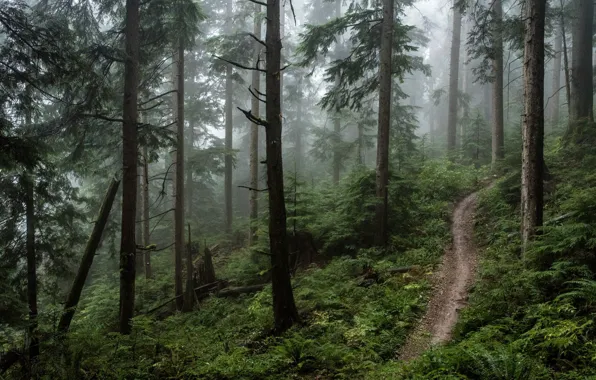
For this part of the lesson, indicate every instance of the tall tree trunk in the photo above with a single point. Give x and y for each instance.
(129, 164)
(189, 295)
(229, 132)
(31, 269)
(382, 175)
(189, 182)
(554, 108)
(179, 244)
(533, 121)
(453, 82)
(298, 148)
(139, 259)
(92, 244)
(284, 308)
(336, 116)
(254, 134)
(498, 137)
(581, 62)
(146, 232)
(566, 68)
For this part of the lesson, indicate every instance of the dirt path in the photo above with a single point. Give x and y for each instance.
(450, 285)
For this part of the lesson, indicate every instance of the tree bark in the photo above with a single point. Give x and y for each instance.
(533, 121)
(179, 244)
(92, 244)
(498, 137)
(254, 135)
(139, 258)
(581, 62)
(382, 173)
(189, 297)
(298, 144)
(146, 232)
(31, 268)
(189, 195)
(228, 136)
(284, 308)
(554, 108)
(129, 158)
(565, 60)
(453, 83)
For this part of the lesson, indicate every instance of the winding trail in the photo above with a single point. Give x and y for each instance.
(450, 284)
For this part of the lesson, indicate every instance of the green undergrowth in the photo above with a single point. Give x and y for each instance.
(530, 315)
(355, 313)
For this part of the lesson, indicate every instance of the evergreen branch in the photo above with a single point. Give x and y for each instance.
(258, 2)
(253, 118)
(155, 216)
(255, 95)
(285, 67)
(253, 189)
(157, 97)
(103, 117)
(240, 65)
(293, 12)
(152, 107)
(257, 39)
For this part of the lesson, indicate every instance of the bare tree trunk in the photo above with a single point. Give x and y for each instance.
(179, 245)
(31, 269)
(146, 232)
(189, 296)
(566, 60)
(229, 133)
(382, 175)
(453, 82)
(554, 108)
(284, 308)
(533, 121)
(92, 244)
(129, 176)
(189, 182)
(298, 148)
(139, 259)
(254, 135)
(581, 62)
(498, 137)
(336, 116)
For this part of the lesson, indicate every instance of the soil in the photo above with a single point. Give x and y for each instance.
(450, 284)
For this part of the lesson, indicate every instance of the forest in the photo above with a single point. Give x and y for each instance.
(297, 189)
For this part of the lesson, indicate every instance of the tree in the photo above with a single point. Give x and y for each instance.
(498, 137)
(382, 176)
(229, 130)
(129, 164)
(453, 81)
(556, 88)
(284, 308)
(254, 131)
(533, 120)
(146, 232)
(581, 62)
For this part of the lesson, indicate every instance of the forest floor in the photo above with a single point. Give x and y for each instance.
(450, 284)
